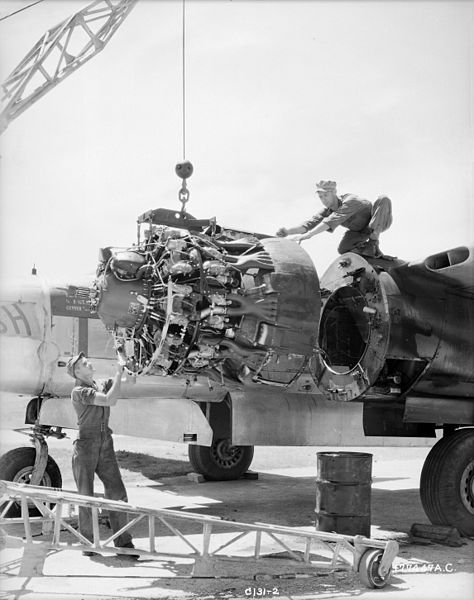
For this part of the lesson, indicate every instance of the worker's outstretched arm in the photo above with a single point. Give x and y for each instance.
(306, 226)
(309, 234)
(284, 231)
(111, 397)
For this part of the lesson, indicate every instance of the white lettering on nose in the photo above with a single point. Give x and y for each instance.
(16, 321)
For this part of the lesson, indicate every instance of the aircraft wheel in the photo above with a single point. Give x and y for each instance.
(221, 461)
(447, 482)
(369, 570)
(17, 465)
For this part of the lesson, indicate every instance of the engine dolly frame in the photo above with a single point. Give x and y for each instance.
(370, 558)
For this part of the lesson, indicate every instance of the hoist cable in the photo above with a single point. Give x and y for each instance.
(20, 9)
(185, 168)
(184, 78)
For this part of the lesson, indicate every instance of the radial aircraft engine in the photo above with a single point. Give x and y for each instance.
(188, 303)
(193, 299)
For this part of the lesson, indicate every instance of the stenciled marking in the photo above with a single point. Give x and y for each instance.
(13, 320)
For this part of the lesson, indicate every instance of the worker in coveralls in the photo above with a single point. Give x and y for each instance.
(94, 447)
(363, 221)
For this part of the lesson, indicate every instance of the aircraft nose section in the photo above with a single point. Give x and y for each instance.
(24, 334)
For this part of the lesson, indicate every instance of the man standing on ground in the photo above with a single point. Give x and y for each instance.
(364, 222)
(94, 449)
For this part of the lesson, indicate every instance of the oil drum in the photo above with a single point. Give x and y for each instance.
(343, 492)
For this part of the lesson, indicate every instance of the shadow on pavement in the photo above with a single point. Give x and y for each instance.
(150, 466)
(283, 500)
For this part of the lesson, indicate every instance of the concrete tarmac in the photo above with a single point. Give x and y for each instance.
(284, 494)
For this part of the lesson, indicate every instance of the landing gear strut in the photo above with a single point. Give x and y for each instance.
(32, 466)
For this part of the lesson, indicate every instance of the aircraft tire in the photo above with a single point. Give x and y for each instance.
(221, 461)
(17, 465)
(447, 482)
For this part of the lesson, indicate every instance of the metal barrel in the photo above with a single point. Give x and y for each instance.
(343, 492)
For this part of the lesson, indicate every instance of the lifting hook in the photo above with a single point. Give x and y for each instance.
(184, 170)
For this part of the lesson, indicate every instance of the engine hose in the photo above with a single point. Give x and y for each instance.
(197, 327)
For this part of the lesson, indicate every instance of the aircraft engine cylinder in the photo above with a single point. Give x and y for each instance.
(120, 304)
(406, 328)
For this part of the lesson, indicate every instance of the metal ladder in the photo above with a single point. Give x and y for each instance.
(371, 558)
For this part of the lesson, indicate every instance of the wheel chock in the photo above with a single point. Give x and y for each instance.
(441, 534)
(196, 477)
(252, 475)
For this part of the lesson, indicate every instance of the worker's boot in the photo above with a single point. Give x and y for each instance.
(367, 248)
(129, 556)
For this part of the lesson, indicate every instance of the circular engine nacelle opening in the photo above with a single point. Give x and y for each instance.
(344, 329)
(354, 328)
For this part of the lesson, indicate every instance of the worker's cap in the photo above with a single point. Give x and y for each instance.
(71, 364)
(326, 186)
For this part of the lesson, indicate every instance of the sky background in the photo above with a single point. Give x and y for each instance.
(374, 95)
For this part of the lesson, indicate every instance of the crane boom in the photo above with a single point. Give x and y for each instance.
(59, 52)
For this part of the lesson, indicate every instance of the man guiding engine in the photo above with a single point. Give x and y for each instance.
(363, 221)
(94, 448)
